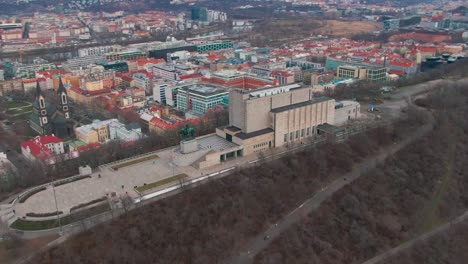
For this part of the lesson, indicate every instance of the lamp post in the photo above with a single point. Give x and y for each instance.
(172, 162)
(57, 211)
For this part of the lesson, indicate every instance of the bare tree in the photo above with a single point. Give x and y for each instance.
(12, 241)
(261, 157)
(126, 201)
(183, 182)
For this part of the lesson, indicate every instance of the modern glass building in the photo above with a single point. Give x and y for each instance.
(391, 24)
(214, 46)
(118, 66)
(201, 97)
(161, 53)
(199, 13)
(124, 55)
(368, 73)
(377, 74)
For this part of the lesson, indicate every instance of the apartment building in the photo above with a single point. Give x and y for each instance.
(103, 131)
(241, 80)
(98, 51)
(144, 81)
(365, 73)
(43, 148)
(171, 72)
(199, 97)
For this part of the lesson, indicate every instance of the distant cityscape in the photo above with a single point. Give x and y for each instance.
(164, 84)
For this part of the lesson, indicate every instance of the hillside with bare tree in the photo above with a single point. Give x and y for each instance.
(209, 223)
(421, 187)
(449, 247)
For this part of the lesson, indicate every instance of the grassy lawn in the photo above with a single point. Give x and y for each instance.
(161, 182)
(14, 104)
(27, 225)
(17, 111)
(95, 201)
(24, 116)
(135, 161)
(21, 224)
(31, 133)
(66, 181)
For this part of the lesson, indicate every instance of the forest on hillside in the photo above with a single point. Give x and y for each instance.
(419, 188)
(448, 247)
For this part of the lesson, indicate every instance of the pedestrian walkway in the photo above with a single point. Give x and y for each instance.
(169, 162)
(262, 240)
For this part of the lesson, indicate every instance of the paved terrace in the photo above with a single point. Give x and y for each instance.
(123, 180)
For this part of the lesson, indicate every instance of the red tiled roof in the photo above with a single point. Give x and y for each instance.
(148, 75)
(428, 49)
(190, 76)
(437, 18)
(32, 80)
(213, 57)
(136, 89)
(126, 78)
(406, 64)
(49, 139)
(282, 73)
(127, 144)
(156, 108)
(36, 150)
(49, 73)
(86, 92)
(91, 146)
(162, 124)
(399, 73)
(143, 61)
(37, 146)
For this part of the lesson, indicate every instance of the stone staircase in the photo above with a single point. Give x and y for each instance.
(7, 215)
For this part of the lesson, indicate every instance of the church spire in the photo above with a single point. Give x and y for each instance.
(61, 88)
(62, 94)
(38, 89)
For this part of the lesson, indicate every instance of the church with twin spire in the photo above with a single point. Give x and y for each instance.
(47, 119)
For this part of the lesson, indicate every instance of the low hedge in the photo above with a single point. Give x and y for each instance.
(134, 161)
(23, 224)
(162, 182)
(88, 203)
(71, 180)
(23, 198)
(44, 214)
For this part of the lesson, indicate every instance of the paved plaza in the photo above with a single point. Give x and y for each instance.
(123, 180)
